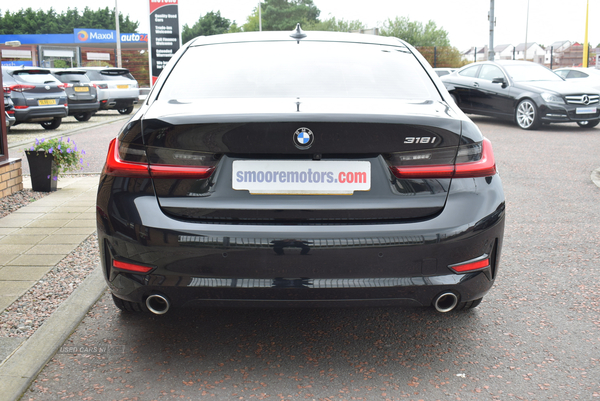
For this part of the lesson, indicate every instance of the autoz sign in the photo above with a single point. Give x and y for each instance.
(164, 34)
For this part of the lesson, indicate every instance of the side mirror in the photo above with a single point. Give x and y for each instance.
(499, 81)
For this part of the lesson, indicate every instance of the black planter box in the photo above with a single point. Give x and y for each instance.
(40, 167)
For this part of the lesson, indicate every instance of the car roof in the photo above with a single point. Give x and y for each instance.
(321, 36)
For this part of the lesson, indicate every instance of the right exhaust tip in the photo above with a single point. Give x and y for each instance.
(445, 302)
(158, 304)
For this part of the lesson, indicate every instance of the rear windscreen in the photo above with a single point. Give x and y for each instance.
(108, 75)
(73, 78)
(305, 69)
(35, 77)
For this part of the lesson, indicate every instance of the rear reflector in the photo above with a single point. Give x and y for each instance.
(484, 167)
(131, 267)
(471, 265)
(121, 168)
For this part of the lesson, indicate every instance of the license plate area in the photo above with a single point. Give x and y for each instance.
(301, 177)
(123, 86)
(46, 102)
(81, 89)
(586, 110)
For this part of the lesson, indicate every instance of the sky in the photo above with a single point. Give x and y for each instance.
(466, 21)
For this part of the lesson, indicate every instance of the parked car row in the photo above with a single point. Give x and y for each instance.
(46, 96)
(524, 92)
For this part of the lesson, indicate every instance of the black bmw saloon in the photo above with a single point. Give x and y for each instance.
(286, 169)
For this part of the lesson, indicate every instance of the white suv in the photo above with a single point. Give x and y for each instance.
(117, 88)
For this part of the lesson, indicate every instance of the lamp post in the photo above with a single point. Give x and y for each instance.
(585, 60)
(119, 63)
(3, 130)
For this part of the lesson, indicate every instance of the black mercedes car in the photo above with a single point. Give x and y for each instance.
(521, 91)
(299, 169)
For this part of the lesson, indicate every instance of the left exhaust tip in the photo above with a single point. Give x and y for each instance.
(446, 302)
(158, 304)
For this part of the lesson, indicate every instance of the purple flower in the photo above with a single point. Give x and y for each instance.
(69, 150)
(36, 141)
(58, 146)
(42, 141)
(32, 149)
(55, 178)
(81, 161)
(68, 139)
(48, 177)
(75, 148)
(50, 150)
(83, 151)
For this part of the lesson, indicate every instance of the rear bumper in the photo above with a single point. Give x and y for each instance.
(40, 113)
(271, 265)
(77, 108)
(118, 103)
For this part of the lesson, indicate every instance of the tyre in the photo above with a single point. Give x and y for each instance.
(54, 124)
(126, 110)
(83, 116)
(526, 115)
(588, 124)
(468, 305)
(127, 306)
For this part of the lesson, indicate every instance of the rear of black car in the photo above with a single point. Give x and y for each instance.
(266, 170)
(81, 93)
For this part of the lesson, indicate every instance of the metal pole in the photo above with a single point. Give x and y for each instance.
(526, 29)
(551, 55)
(492, 22)
(119, 63)
(434, 56)
(584, 64)
(475, 54)
(259, 18)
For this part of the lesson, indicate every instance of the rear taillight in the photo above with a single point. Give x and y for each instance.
(473, 160)
(21, 107)
(471, 265)
(116, 166)
(7, 90)
(101, 86)
(11, 112)
(20, 88)
(65, 85)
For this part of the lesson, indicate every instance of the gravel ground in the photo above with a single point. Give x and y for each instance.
(29, 312)
(13, 202)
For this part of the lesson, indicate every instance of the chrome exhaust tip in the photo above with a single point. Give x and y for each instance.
(158, 304)
(445, 302)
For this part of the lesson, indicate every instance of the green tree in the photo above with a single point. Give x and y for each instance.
(415, 33)
(283, 15)
(211, 24)
(28, 21)
(333, 24)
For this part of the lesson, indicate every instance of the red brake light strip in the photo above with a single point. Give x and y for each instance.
(131, 267)
(471, 266)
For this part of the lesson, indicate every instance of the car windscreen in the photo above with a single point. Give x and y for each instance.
(305, 69)
(73, 78)
(533, 72)
(35, 77)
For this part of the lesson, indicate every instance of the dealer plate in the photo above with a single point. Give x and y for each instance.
(301, 177)
(46, 102)
(123, 86)
(585, 110)
(81, 89)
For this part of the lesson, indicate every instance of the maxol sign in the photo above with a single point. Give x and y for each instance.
(84, 35)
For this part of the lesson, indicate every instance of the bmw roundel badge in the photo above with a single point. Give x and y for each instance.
(303, 138)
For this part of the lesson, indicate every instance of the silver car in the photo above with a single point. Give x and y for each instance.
(117, 88)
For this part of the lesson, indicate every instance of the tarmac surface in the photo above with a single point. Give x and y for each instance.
(32, 241)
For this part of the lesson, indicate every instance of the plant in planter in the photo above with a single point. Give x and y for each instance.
(49, 159)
